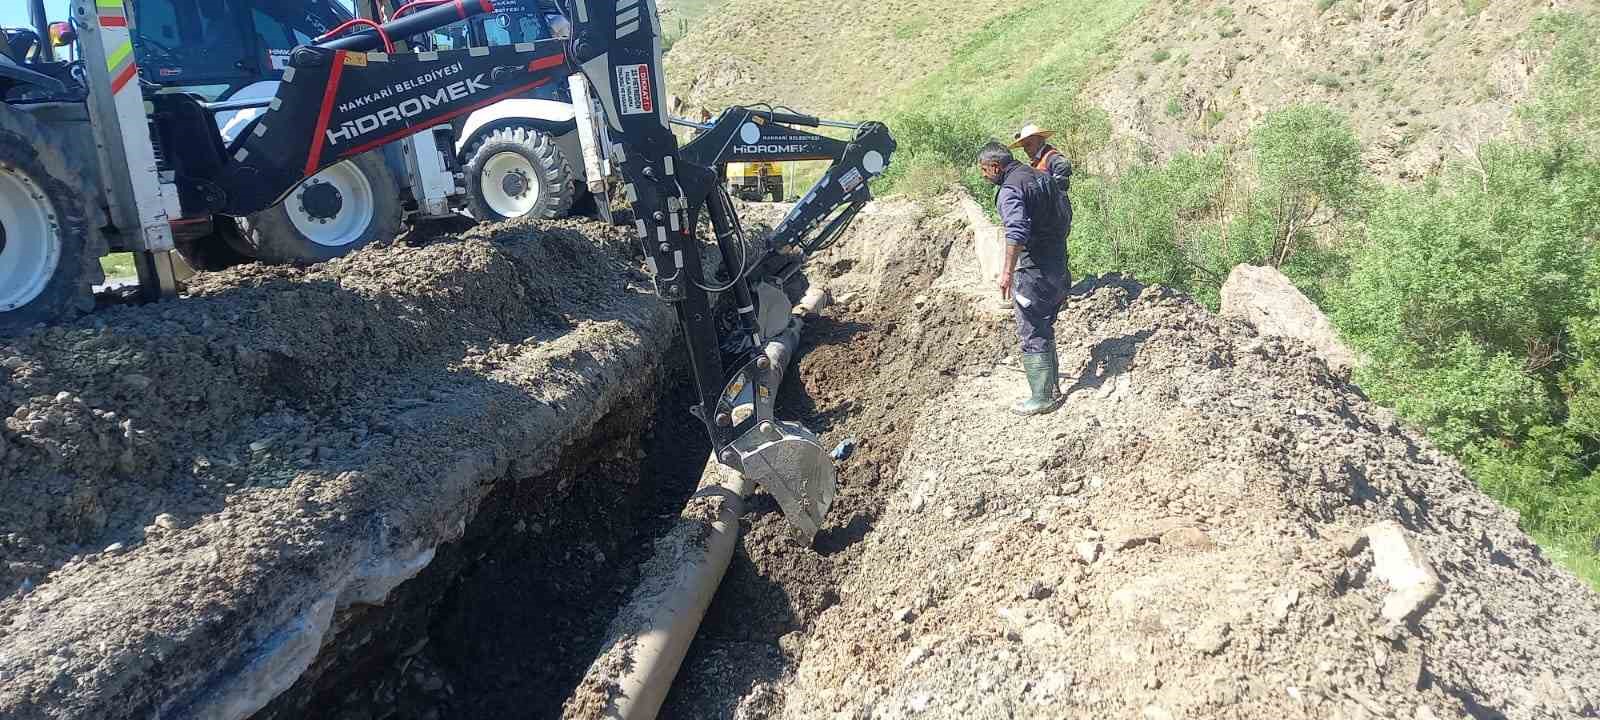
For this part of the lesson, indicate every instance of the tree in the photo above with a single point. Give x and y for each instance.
(1309, 165)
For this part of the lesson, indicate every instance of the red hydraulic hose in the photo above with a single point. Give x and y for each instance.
(388, 47)
(416, 4)
(488, 7)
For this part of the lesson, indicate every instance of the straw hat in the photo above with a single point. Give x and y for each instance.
(1030, 130)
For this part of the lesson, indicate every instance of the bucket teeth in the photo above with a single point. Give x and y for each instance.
(787, 460)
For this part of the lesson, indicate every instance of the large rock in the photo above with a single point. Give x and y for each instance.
(1266, 299)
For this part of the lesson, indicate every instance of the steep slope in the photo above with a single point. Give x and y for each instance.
(1417, 78)
(838, 56)
(1213, 526)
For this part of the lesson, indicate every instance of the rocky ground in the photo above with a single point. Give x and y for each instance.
(1215, 525)
(427, 476)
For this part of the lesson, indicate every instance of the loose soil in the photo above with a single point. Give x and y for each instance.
(456, 456)
(1185, 538)
(192, 491)
(904, 324)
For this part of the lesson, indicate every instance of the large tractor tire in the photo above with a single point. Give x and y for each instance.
(346, 206)
(48, 266)
(518, 172)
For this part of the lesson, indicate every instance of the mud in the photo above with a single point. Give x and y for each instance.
(193, 491)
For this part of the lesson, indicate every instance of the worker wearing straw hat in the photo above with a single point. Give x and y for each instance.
(1043, 156)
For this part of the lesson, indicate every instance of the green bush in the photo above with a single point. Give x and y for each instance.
(925, 174)
(1151, 222)
(1475, 298)
(951, 140)
(1308, 162)
(1568, 88)
(1160, 56)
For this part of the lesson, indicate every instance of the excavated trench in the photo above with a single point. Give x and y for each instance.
(505, 621)
(516, 581)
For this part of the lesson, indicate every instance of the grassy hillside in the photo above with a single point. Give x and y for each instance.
(680, 17)
(839, 57)
(1428, 171)
(1418, 79)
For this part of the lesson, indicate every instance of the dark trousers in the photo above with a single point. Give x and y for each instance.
(1037, 298)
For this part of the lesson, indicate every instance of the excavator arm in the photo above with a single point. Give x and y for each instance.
(342, 96)
(753, 134)
(616, 45)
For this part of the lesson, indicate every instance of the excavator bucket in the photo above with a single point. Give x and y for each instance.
(784, 458)
(787, 460)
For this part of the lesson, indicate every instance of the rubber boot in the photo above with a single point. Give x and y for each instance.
(1042, 377)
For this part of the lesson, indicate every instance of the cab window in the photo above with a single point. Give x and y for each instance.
(450, 37)
(188, 41)
(282, 25)
(510, 28)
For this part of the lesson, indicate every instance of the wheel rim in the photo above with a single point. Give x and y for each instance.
(30, 239)
(509, 185)
(350, 216)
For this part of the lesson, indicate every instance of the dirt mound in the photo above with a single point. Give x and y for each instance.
(189, 491)
(1192, 535)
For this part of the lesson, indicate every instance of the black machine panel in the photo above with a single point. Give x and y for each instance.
(334, 104)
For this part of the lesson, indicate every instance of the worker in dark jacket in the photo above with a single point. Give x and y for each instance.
(1037, 220)
(1044, 156)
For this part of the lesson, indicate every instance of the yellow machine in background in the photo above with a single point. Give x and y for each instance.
(756, 180)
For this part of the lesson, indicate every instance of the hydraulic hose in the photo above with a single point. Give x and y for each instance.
(416, 23)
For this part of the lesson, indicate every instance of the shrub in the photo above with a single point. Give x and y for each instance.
(1309, 165)
(1476, 298)
(1160, 56)
(925, 174)
(952, 139)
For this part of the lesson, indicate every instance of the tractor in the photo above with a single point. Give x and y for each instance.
(531, 154)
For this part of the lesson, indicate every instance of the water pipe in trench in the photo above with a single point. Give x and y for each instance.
(647, 641)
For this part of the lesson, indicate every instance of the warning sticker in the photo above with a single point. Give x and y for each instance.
(850, 180)
(633, 90)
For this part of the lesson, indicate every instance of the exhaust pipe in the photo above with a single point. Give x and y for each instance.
(647, 641)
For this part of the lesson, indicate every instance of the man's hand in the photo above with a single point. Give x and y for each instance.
(1008, 267)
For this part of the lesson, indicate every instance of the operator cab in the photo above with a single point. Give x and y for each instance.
(512, 22)
(216, 47)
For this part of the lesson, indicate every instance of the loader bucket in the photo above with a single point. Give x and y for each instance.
(787, 460)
